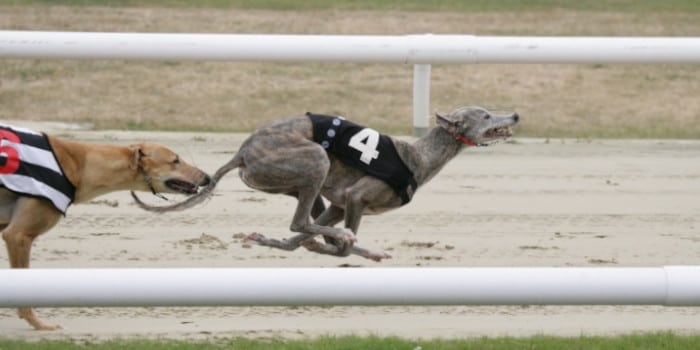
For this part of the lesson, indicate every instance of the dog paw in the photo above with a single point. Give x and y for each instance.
(54, 327)
(312, 245)
(378, 256)
(348, 237)
(253, 238)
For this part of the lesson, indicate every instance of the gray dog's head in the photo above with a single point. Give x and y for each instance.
(477, 125)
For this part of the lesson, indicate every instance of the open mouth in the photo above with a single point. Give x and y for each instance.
(181, 186)
(496, 133)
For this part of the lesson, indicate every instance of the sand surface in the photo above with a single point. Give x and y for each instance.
(531, 202)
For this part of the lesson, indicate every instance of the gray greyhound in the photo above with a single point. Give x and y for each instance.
(301, 157)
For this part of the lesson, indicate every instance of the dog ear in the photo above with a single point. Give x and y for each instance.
(135, 156)
(451, 126)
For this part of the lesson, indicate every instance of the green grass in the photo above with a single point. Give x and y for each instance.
(409, 5)
(650, 341)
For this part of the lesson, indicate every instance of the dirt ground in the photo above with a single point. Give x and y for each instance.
(530, 202)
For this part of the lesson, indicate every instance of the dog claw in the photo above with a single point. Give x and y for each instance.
(55, 327)
(378, 256)
(253, 238)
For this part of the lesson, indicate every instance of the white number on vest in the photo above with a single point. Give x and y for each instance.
(366, 141)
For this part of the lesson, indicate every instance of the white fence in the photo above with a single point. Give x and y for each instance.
(413, 49)
(675, 285)
(670, 286)
(421, 50)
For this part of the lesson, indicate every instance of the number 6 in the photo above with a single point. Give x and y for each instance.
(10, 153)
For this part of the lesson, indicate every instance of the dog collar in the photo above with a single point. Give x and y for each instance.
(150, 185)
(467, 141)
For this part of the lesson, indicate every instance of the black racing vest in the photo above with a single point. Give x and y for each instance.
(365, 149)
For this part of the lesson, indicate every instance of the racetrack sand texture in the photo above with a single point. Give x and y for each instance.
(530, 202)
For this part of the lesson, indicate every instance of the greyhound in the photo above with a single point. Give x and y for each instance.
(84, 171)
(297, 157)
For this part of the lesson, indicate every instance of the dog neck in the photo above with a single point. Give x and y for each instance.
(96, 169)
(429, 154)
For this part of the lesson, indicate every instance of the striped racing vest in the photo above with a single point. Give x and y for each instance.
(28, 166)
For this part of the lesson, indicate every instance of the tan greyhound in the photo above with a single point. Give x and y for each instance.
(315, 156)
(91, 170)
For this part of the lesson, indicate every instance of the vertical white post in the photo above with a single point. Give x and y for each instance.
(421, 99)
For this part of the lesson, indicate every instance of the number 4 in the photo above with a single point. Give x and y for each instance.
(366, 141)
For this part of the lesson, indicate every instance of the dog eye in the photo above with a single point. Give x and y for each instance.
(488, 116)
(176, 161)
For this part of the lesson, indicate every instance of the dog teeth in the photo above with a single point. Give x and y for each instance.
(499, 132)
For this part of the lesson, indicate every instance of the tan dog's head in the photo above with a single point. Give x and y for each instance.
(164, 171)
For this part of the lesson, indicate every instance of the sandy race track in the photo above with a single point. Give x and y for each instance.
(530, 202)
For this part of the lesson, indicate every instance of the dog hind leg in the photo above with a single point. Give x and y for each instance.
(354, 207)
(329, 217)
(317, 209)
(335, 247)
(308, 230)
(300, 168)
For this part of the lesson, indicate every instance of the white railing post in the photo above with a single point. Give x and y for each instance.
(421, 99)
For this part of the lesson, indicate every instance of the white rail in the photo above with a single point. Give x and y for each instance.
(414, 49)
(670, 285)
(423, 50)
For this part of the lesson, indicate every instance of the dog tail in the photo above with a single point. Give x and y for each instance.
(198, 198)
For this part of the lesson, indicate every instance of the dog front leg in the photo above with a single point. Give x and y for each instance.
(31, 218)
(330, 217)
(19, 247)
(354, 208)
(301, 223)
(330, 249)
